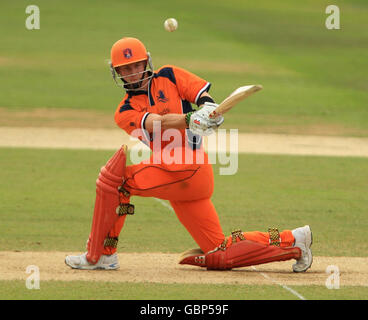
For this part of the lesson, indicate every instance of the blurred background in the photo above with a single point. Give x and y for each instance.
(315, 79)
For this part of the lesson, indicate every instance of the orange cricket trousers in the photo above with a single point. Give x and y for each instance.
(189, 188)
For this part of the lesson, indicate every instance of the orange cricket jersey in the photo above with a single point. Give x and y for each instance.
(171, 90)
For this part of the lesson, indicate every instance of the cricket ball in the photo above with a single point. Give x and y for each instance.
(171, 24)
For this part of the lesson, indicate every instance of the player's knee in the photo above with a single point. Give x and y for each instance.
(108, 181)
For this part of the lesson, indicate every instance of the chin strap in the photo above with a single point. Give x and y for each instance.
(135, 86)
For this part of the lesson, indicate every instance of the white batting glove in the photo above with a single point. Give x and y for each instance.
(215, 122)
(200, 122)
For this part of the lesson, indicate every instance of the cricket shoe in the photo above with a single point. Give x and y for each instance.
(303, 240)
(106, 262)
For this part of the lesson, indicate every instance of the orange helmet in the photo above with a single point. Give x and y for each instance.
(130, 50)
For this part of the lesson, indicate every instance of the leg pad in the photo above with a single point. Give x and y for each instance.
(241, 254)
(107, 204)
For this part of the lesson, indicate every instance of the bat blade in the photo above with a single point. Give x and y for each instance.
(234, 98)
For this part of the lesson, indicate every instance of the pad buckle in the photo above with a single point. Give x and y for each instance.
(223, 245)
(275, 238)
(125, 192)
(125, 208)
(111, 242)
(237, 234)
(200, 260)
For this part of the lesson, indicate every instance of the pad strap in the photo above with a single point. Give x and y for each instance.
(124, 192)
(223, 245)
(111, 242)
(125, 208)
(275, 238)
(237, 234)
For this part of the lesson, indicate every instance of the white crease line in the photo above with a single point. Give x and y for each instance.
(254, 268)
(164, 204)
(280, 284)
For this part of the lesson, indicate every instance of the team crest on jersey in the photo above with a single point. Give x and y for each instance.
(127, 53)
(161, 96)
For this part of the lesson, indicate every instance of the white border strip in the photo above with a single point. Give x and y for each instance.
(144, 128)
(201, 91)
(164, 204)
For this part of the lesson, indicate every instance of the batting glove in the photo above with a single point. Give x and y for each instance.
(200, 122)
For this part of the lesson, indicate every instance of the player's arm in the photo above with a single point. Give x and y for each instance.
(173, 120)
(168, 121)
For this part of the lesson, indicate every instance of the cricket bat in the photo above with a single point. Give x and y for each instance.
(237, 96)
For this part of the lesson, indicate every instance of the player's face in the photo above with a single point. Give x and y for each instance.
(132, 72)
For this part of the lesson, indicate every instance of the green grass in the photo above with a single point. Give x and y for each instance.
(48, 198)
(82, 290)
(314, 78)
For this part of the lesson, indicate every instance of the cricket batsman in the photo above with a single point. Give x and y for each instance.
(158, 102)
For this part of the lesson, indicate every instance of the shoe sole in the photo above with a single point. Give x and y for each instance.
(113, 266)
(309, 243)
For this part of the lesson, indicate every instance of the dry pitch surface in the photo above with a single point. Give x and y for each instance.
(164, 268)
(63, 128)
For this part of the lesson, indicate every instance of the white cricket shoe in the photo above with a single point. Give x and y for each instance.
(106, 262)
(303, 240)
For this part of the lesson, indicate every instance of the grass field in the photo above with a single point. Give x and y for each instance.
(55, 192)
(59, 290)
(314, 83)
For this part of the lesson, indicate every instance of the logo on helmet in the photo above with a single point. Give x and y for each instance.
(127, 53)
